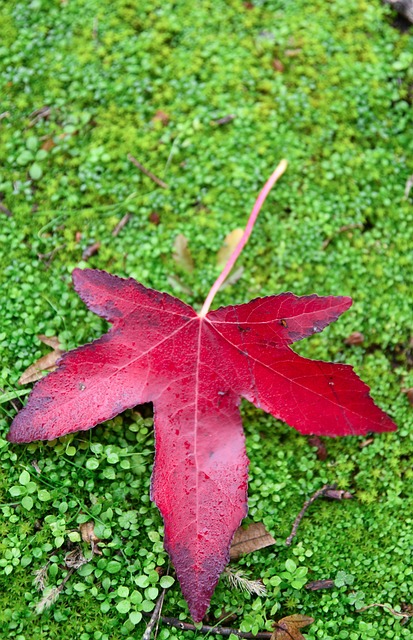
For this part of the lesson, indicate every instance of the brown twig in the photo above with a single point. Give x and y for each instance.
(148, 173)
(387, 607)
(308, 503)
(316, 585)
(346, 227)
(224, 120)
(6, 211)
(90, 251)
(48, 257)
(214, 631)
(38, 114)
(409, 185)
(156, 614)
(122, 222)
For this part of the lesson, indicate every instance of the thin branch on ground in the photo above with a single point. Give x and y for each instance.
(316, 585)
(388, 608)
(48, 257)
(148, 173)
(6, 211)
(407, 189)
(318, 494)
(345, 227)
(156, 614)
(214, 631)
(124, 221)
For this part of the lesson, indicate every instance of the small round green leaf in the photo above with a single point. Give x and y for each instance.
(113, 566)
(27, 503)
(35, 171)
(135, 617)
(166, 582)
(123, 606)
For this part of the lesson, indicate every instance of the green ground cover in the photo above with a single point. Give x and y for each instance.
(338, 104)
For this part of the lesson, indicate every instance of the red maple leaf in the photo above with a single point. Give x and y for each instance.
(195, 368)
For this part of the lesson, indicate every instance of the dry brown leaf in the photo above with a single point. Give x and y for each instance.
(48, 144)
(162, 117)
(182, 254)
(315, 441)
(366, 442)
(289, 628)
(75, 559)
(354, 338)
(87, 531)
(230, 242)
(45, 363)
(252, 538)
(51, 341)
(278, 65)
(409, 394)
(155, 218)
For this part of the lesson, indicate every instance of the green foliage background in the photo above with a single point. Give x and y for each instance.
(341, 111)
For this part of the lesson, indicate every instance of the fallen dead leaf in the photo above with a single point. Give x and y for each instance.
(409, 394)
(366, 442)
(315, 441)
(277, 65)
(249, 539)
(230, 242)
(162, 117)
(154, 217)
(289, 628)
(182, 254)
(75, 559)
(45, 363)
(87, 531)
(48, 144)
(354, 338)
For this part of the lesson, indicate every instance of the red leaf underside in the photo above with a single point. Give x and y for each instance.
(195, 370)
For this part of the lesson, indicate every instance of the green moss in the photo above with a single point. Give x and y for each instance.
(341, 112)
